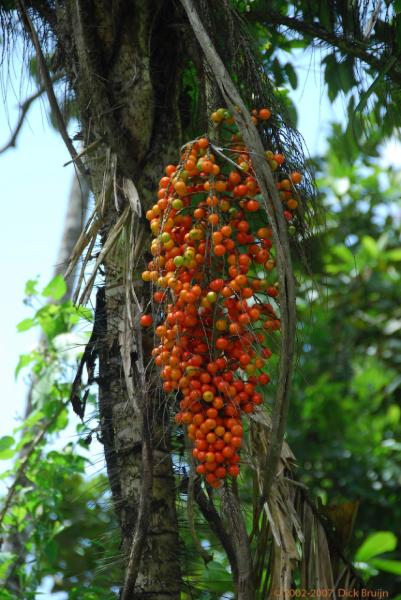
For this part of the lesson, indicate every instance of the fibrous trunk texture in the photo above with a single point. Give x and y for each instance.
(122, 435)
(125, 74)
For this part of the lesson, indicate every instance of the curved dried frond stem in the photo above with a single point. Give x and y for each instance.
(273, 208)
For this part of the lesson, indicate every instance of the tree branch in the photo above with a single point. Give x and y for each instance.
(353, 48)
(211, 515)
(45, 11)
(48, 85)
(24, 107)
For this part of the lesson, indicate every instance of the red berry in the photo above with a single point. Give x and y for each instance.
(146, 320)
(233, 470)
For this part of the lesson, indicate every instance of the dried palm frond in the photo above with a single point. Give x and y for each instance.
(291, 535)
(276, 527)
(116, 219)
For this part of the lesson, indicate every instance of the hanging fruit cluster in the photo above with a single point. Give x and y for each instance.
(213, 270)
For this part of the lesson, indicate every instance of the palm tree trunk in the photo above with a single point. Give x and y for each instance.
(122, 62)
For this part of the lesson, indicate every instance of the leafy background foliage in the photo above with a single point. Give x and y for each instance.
(63, 517)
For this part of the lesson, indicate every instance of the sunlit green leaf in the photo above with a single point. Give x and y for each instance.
(6, 442)
(390, 566)
(377, 543)
(31, 287)
(6, 560)
(393, 254)
(370, 245)
(56, 289)
(25, 325)
(24, 361)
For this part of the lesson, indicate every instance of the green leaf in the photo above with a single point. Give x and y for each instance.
(344, 253)
(24, 361)
(397, 31)
(330, 75)
(393, 254)
(30, 287)
(7, 454)
(85, 313)
(52, 327)
(5, 447)
(6, 559)
(370, 245)
(54, 319)
(345, 74)
(291, 74)
(383, 564)
(4, 595)
(33, 418)
(25, 325)
(346, 257)
(51, 551)
(6, 442)
(61, 421)
(339, 75)
(19, 513)
(56, 289)
(216, 579)
(375, 544)
(25, 439)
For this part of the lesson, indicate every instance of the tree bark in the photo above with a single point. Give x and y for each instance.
(123, 64)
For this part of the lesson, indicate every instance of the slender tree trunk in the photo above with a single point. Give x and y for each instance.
(75, 217)
(74, 221)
